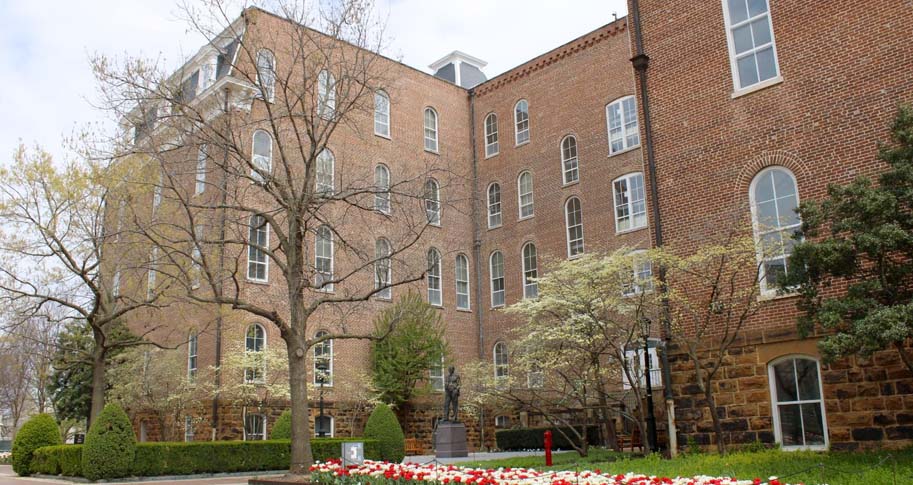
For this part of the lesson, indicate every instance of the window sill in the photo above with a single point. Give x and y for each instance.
(381, 135)
(571, 257)
(491, 228)
(768, 295)
(518, 145)
(633, 229)
(570, 184)
(624, 150)
(433, 152)
(738, 93)
(258, 282)
(325, 386)
(498, 307)
(526, 218)
(495, 154)
(464, 310)
(434, 224)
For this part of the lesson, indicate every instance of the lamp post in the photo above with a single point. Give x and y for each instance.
(651, 417)
(322, 367)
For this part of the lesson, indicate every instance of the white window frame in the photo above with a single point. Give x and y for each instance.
(251, 247)
(383, 282)
(202, 156)
(566, 160)
(637, 367)
(734, 58)
(150, 276)
(325, 183)
(775, 408)
(320, 277)
(492, 278)
(268, 86)
(384, 131)
(638, 264)
(435, 294)
(628, 127)
(629, 204)
(535, 379)
(520, 194)
(521, 132)
(261, 163)
(157, 193)
(436, 376)
(251, 377)
(568, 227)
(192, 354)
(433, 202)
(382, 189)
(196, 257)
(495, 213)
(430, 142)
(501, 369)
(759, 232)
(502, 422)
(326, 94)
(492, 146)
(458, 268)
(262, 419)
(530, 288)
(327, 347)
(332, 432)
(188, 428)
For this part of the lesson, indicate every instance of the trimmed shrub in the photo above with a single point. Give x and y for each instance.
(383, 426)
(40, 430)
(282, 428)
(534, 438)
(110, 445)
(63, 460)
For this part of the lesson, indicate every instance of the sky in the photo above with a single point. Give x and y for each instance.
(47, 89)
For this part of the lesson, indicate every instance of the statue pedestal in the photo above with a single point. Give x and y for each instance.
(450, 440)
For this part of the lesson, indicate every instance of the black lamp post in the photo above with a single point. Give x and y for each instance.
(322, 367)
(651, 417)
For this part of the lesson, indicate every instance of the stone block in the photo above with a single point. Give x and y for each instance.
(868, 434)
(450, 440)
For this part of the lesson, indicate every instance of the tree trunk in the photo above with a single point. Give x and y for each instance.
(717, 427)
(301, 459)
(608, 425)
(98, 383)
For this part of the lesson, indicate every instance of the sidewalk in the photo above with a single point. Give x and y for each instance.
(480, 456)
(7, 477)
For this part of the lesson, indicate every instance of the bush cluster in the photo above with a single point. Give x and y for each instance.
(534, 438)
(282, 428)
(110, 445)
(383, 426)
(41, 430)
(63, 460)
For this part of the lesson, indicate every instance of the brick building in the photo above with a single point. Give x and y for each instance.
(545, 161)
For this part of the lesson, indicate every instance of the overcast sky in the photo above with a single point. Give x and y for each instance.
(47, 88)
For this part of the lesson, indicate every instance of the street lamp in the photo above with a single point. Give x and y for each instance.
(323, 366)
(648, 381)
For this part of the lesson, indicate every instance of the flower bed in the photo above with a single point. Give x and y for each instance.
(5, 457)
(382, 473)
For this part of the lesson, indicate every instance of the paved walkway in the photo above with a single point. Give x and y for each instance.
(481, 456)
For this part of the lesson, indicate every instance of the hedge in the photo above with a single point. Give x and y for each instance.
(534, 438)
(39, 431)
(166, 458)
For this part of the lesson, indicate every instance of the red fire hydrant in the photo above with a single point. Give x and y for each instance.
(548, 448)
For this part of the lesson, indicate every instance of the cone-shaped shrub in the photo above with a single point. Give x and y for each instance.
(110, 445)
(40, 430)
(383, 426)
(282, 428)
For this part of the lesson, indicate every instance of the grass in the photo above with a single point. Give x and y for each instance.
(861, 468)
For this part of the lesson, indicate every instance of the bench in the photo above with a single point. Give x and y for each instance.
(413, 447)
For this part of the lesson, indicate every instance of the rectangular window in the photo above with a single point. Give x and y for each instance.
(381, 114)
(196, 263)
(497, 280)
(150, 276)
(436, 376)
(621, 116)
(192, 357)
(642, 276)
(258, 237)
(630, 202)
(637, 366)
(462, 282)
(254, 427)
(201, 170)
(752, 51)
(188, 428)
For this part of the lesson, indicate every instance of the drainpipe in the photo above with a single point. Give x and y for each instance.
(641, 62)
(477, 247)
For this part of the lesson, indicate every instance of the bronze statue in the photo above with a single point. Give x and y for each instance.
(452, 395)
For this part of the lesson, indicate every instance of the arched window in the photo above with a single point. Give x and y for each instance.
(569, 165)
(262, 159)
(326, 94)
(324, 426)
(525, 194)
(266, 74)
(530, 271)
(430, 130)
(433, 202)
(192, 342)
(383, 269)
(323, 258)
(521, 122)
(381, 114)
(494, 205)
(462, 282)
(254, 427)
(382, 189)
(254, 345)
(258, 240)
(774, 199)
(326, 166)
(795, 391)
(200, 185)
(502, 370)
(630, 202)
(621, 115)
(434, 277)
(323, 360)
(573, 217)
(491, 135)
(496, 269)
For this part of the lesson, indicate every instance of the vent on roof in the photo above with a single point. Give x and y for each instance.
(460, 68)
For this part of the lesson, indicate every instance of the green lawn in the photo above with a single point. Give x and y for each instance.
(863, 468)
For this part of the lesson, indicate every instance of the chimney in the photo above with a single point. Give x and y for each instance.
(460, 68)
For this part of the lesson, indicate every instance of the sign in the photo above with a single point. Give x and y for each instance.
(79, 439)
(353, 453)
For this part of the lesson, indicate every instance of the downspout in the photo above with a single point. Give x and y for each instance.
(641, 62)
(477, 247)
(221, 266)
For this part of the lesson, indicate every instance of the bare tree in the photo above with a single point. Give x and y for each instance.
(246, 177)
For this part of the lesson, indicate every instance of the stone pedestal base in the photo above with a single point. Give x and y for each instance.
(450, 440)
